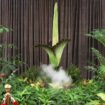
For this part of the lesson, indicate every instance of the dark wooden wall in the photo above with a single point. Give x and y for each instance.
(32, 24)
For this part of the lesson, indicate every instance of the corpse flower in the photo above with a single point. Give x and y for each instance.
(56, 50)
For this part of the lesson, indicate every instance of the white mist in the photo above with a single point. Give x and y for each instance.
(59, 78)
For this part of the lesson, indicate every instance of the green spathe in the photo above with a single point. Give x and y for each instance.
(55, 34)
(55, 51)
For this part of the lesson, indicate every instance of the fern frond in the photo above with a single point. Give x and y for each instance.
(99, 56)
(99, 35)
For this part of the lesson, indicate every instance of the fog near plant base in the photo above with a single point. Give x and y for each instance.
(59, 77)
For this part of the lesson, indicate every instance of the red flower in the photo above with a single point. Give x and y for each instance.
(15, 103)
(3, 104)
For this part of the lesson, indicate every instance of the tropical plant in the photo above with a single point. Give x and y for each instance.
(26, 94)
(99, 35)
(99, 56)
(55, 51)
(4, 29)
(7, 64)
(93, 102)
(101, 72)
(74, 72)
(32, 74)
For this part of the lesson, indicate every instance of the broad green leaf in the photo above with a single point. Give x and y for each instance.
(101, 95)
(59, 50)
(55, 37)
(51, 55)
(49, 51)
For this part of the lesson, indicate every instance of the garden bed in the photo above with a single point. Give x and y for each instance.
(33, 94)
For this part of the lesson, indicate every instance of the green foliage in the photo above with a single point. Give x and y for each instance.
(93, 102)
(32, 74)
(101, 72)
(99, 56)
(74, 72)
(99, 35)
(7, 64)
(80, 94)
(4, 29)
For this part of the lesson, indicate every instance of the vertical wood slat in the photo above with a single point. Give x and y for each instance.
(32, 23)
(70, 23)
(26, 32)
(4, 21)
(31, 44)
(22, 32)
(0, 10)
(36, 32)
(17, 32)
(0, 16)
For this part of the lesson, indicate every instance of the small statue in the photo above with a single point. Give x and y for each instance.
(8, 96)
